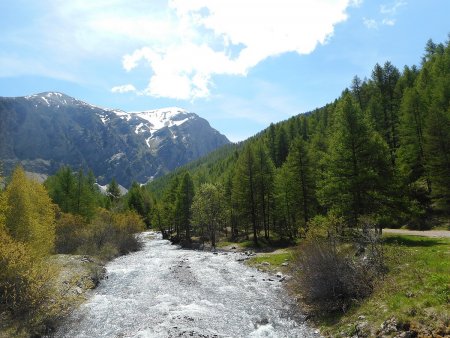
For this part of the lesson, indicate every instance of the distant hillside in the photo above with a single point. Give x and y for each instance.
(47, 130)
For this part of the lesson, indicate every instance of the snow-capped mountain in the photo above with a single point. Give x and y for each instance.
(47, 130)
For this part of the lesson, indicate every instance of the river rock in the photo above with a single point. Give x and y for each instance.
(362, 329)
(389, 326)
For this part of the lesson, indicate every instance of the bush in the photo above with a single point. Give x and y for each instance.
(335, 270)
(25, 286)
(108, 235)
(70, 231)
(329, 279)
(112, 234)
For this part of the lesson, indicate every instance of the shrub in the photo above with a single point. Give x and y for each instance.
(25, 285)
(339, 268)
(112, 234)
(329, 279)
(70, 233)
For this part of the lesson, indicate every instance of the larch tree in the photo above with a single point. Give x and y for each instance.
(436, 90)
(281, 146)
(285, 212)
(139, 199)
(209, 211)
(357, 177)
(183, 205)
(264, 180)
(62, 187)
(386, 114)
(113, 191)
(437, 149)
(412, 145)
(301, 181)
(244, 191)
(31, 215)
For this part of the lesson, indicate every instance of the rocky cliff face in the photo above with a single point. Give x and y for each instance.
(47, 130)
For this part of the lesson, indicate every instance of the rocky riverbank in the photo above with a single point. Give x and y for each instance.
(70, 278)
(77, 274)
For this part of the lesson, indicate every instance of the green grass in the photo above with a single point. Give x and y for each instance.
(416, 290)
(263, 244)
(275, 259)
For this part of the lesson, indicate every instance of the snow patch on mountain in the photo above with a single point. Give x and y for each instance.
(165, 117)
(153, 120)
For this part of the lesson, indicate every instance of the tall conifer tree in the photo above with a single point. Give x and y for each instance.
(357, 178)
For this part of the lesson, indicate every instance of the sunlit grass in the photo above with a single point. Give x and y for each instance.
(416, 290)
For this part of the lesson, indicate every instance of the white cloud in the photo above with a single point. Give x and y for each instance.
(123, 89)
(356, 3)
(370, 23)
(388, 13)
(388, 22)
(184, 43)
(229, 38)
(391, 9)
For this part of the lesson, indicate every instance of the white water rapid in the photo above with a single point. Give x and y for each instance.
(164, 291)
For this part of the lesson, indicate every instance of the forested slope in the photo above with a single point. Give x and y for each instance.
(380, 151)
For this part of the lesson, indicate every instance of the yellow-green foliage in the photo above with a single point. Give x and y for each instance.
(24, 281)
(70, 233)
(108, 235)
(31, 214)
(3, 209)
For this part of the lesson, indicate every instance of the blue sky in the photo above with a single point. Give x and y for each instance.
(241, 64)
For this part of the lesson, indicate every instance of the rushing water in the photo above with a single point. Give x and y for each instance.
(164, 291)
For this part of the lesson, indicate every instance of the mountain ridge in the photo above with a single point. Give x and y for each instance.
(44, 131)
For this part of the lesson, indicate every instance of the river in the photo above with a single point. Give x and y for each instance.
(164, 291)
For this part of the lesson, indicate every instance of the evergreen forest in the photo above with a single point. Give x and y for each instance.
(378, 154)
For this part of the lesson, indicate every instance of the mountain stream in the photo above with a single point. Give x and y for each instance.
(164, 291)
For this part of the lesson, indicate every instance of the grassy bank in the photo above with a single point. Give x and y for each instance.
(413, 296)
(415, 291)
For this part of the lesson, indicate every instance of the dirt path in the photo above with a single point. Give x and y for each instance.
(426, 233)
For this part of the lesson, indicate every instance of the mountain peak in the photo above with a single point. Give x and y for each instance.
(47, 130)
(49, 98)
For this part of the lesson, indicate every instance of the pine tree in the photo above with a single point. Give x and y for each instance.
(272, 142)
(357, 176)
(302, 181)
(282, 146)
(169, 218)
(113, 191)
(286, 222)
(183, 205)
(434, 86)
(264, 180)
(437, 149)
(244, 191)
(411, 151)
(386, 113)
(74, 192)
(357, 91)
(139, 199)
(62, 188)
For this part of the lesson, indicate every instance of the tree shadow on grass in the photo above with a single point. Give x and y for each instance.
(411, 241)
